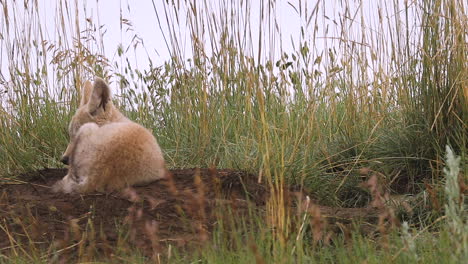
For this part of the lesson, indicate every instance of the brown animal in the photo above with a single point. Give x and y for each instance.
(107, 151)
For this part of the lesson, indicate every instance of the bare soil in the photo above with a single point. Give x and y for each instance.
(181, 212)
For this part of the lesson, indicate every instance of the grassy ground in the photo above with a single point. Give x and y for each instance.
(382, 98)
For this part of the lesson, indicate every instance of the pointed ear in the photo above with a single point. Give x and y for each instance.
(100, 96)
(86, 90)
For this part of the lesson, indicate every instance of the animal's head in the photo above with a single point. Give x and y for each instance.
(95, 106)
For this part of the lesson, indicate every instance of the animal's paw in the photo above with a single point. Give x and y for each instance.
(65, 185)
(57, 187)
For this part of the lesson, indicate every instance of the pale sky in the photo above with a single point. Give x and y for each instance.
(142, 15)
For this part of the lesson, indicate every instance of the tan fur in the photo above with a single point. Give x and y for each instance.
(107, 151)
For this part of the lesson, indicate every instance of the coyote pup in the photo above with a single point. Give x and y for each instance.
(107, 151)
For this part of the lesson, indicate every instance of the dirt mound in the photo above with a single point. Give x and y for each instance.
(179, 211)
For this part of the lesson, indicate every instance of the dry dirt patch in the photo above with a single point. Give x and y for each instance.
(181, 211)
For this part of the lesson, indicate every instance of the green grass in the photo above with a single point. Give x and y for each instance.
(388, 98)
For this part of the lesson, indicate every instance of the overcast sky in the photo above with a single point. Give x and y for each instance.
(143, 16)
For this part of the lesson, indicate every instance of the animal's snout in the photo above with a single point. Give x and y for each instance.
(65, 160)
